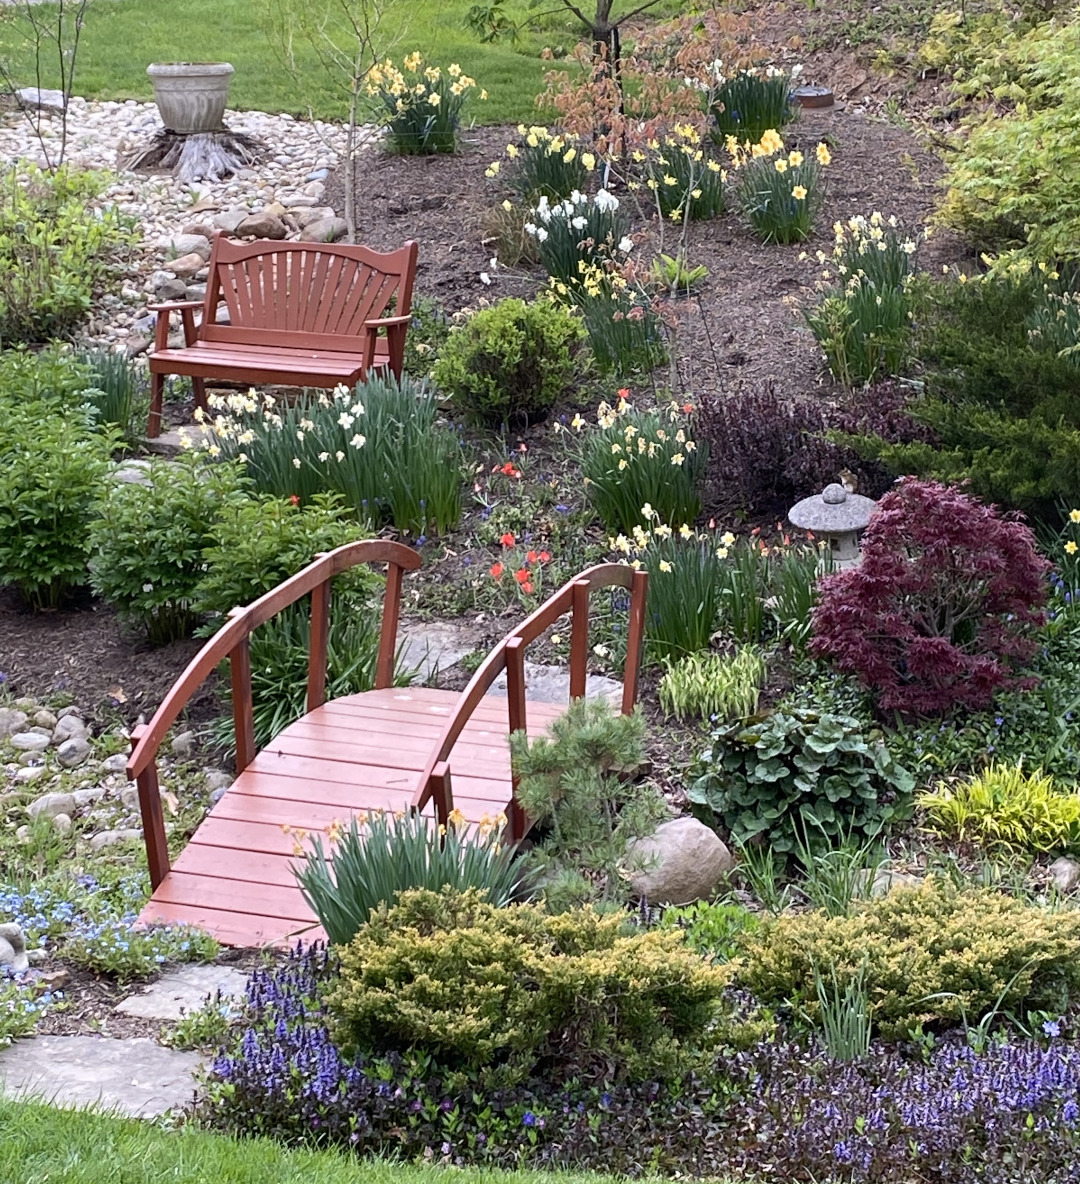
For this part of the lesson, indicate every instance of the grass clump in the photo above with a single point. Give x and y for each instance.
(714, 686)
(1004, 808)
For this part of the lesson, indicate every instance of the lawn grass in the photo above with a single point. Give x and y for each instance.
(41, 1143)
(122, 37)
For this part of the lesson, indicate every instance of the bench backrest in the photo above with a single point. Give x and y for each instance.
(299, 295)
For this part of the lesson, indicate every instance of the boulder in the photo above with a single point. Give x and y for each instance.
(116, 763)
(29, 773)
(13, 948)
(184, 244)
(262, 225)
(11, 722)
(1065, 874)
(326, 230)
(44, 719)
(73, 752)
(230, 220)
(29, 741)
(109, 838)
(66, 727)
(51, 804)
(187, 265)
(64, 712)
(682, 861)
(306, 217)
(171, 290)
(183, 746)
(41, 98)
(200, 229)
(62, 824)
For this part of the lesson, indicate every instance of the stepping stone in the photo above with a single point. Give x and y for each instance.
(437, 646)
(184, 990)
(138, 1078)
(551, 684)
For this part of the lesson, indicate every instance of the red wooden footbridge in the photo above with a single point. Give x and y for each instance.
(390, 748)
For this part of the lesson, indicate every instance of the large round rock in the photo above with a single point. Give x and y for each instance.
(682, 862)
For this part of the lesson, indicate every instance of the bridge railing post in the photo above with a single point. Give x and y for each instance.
(516, 823)
(153, 820)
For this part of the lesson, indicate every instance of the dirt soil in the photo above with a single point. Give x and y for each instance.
(745, 324)
(87, 654)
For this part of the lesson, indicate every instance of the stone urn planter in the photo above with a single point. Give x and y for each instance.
(191, 96)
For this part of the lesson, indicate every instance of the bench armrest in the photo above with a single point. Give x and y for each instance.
(387, 322)
(186, 309)
(174, 306)
(395, 340)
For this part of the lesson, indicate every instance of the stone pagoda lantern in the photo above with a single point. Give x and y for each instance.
(837, 518)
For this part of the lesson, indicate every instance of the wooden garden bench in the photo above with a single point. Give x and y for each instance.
(300, 314)
(389, 748)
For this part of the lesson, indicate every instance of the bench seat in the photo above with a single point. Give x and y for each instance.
(256, 364)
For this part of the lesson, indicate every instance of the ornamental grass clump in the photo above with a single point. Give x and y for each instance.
(864, 327)
(476, 986)
(931, 957)
(779, 192)
(1004, 808)
(421, 104)
(711, 686)
(638, 458)
(380, 446)
(942, 610)
(748, 102)
(373, 861)
(543, 163)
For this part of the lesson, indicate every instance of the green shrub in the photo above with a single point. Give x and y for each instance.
(710, 928)
(380, 446)
(147, 542)
(1010, 178)
(779, 192)
(55, 255)
(510, 363)
(374, 861)
(999, 413)
(258, 543)
(721, 687)
(52, 470)
(635, 459)
(1005, 808)
(52, 380)
(931, 956)
(475, 985)
(801, 779)
(577, 786)
(422, 106)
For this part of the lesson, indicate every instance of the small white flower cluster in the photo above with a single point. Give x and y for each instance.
(573, 211)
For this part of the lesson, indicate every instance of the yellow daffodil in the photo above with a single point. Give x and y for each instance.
(1074, 515)
(664, 565)
(1070, 547)
(799, 192)
(824, 156)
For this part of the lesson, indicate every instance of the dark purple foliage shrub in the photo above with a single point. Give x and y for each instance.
(767, 450)
(782, 1111)
(942, 607)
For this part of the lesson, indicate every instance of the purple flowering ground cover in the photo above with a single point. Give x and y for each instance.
(783, 1111)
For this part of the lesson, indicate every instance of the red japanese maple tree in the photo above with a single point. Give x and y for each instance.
(943, 607)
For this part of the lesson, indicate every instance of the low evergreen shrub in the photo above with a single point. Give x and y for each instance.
(474, 985)
(510, 364)
(932, 956)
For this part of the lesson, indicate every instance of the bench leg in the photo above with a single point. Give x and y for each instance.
(157, 390)
(198, 385)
